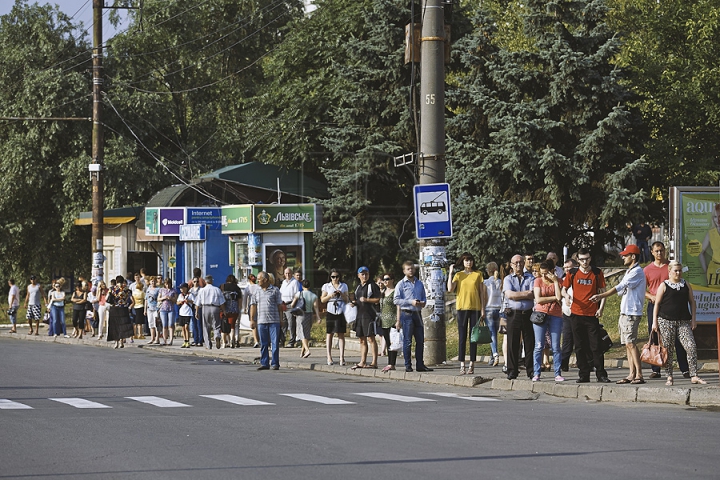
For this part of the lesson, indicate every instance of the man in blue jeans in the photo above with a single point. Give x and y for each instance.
(410, 299)
(266, 304)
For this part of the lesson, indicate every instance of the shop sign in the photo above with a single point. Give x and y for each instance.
(209, 216)
(192, 233)
(236, 219)
(164, 221)
(287, 218)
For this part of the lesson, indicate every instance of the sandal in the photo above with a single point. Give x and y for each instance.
(370, 366)
(623, 381)
(471, 369)
(462, 370)
(388, 368)
(356, 366)
(698, 381)
(669, 382)
(638, 381)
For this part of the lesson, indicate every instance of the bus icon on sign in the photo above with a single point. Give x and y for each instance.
(432, 207)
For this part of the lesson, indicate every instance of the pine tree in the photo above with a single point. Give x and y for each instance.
(543, 150)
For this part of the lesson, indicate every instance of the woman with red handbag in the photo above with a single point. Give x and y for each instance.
(674, 319)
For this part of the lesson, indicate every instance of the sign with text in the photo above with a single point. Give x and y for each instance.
(209, 216)
(192, 233)
(236, 219)
(287, 218)
(433, 218)
(697, 245)
(164, 221)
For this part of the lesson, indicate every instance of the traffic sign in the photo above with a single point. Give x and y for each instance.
(433, 217)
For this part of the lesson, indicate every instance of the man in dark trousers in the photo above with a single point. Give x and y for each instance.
(518, 291)
(367, 296)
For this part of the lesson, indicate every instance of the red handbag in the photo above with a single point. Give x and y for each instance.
(654, 353)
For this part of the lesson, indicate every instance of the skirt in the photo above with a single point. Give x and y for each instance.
(119, 324)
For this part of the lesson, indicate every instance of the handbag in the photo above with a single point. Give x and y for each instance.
(503, 325)
(538, 318)
(46, 318)
(396, 340)
(654, 353)
(480, 334)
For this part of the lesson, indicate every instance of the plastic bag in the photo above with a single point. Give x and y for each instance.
(350, 313)
(396, 340)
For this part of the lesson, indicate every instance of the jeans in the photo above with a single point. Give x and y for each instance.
(492, 320)
(413, 327)
(197, 330)
(269, 334)
(58, 318)
(467, 319)
(681, 353)
(554, 325)
(13, 317)
(167, 319)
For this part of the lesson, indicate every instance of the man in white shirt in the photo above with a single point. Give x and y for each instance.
(13, 304)
(211, 299)
(632, 289)
(289, 288)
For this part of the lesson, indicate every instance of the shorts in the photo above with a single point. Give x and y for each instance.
(628, 328)
(34, 312)
(365, 327)
(335, 323)
(231, 317)
(183, 320)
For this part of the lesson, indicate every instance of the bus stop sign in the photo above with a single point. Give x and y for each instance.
(432, 211)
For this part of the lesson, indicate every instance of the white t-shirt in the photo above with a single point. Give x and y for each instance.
(185, 310)
(335, 305)
(14, 297)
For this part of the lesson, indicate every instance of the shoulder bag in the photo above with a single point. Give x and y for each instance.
(654, 353)
(538, 318)
(480, 333)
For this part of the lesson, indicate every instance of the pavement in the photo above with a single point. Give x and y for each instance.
(654, 391)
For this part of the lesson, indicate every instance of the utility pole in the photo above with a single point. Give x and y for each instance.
(98, 147)
(432, 170)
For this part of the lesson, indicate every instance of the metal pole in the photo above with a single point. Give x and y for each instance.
(432, 170)
(98, 147)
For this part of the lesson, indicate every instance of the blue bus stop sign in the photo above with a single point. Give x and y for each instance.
(433, 218)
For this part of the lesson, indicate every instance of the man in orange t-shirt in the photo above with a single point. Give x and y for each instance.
(586, 281)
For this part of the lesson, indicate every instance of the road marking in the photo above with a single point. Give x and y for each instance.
(79, 403)
(237, 400)
(158, 402)
(318, 399)
(397, 398)
(455, 395)
(6, 404)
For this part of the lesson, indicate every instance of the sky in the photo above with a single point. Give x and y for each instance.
(76, 9)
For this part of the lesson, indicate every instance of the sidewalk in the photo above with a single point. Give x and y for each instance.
(654, 391)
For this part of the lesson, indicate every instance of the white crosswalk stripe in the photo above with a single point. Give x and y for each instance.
(397, 398)
(318, 399)
(79, 403)
(455, 395)
(237, 400)
(6, 404)
(159, 402)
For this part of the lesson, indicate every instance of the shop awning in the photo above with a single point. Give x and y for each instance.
(113, 216)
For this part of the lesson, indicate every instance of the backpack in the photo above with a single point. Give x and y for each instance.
(231, 301)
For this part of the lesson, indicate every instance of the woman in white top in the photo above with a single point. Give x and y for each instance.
(56, 305)
(33, 304)
(493, 289)
(335, 294)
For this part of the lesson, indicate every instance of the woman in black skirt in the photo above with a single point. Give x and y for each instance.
(119, 324)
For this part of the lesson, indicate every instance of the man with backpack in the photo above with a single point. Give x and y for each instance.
(586, 282)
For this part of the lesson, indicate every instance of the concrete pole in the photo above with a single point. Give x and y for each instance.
(98, 147)
(432, 170)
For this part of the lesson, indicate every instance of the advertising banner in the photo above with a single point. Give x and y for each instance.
(170, 221)
(698, 247)
(210, 216)
(286, 218)
(236, 219)
(152, 221)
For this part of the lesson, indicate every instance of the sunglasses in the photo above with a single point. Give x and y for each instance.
(334, 276)
(386, 279)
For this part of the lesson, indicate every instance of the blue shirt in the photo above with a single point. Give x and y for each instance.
(632, 289)
(512, 283)
(406, 291)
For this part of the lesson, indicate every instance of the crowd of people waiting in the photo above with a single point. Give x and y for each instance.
(544, 310)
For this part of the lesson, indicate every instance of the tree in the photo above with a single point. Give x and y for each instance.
(543, 149)
(43, 73)
(670, 50)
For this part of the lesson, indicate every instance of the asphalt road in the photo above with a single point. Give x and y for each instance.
(149, 415)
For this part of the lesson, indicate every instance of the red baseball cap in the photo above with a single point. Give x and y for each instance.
(629, 250)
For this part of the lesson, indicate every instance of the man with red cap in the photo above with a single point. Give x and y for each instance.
(632, 289)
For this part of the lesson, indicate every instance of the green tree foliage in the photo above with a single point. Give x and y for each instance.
(543, 150)
(178, 76)
(43, 73)
(671, 50)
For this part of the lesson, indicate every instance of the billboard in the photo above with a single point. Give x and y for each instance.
(695, 239)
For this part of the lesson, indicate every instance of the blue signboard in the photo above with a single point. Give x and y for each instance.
(433, 218)
(208, 215)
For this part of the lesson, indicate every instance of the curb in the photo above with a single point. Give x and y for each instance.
(704, 396)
